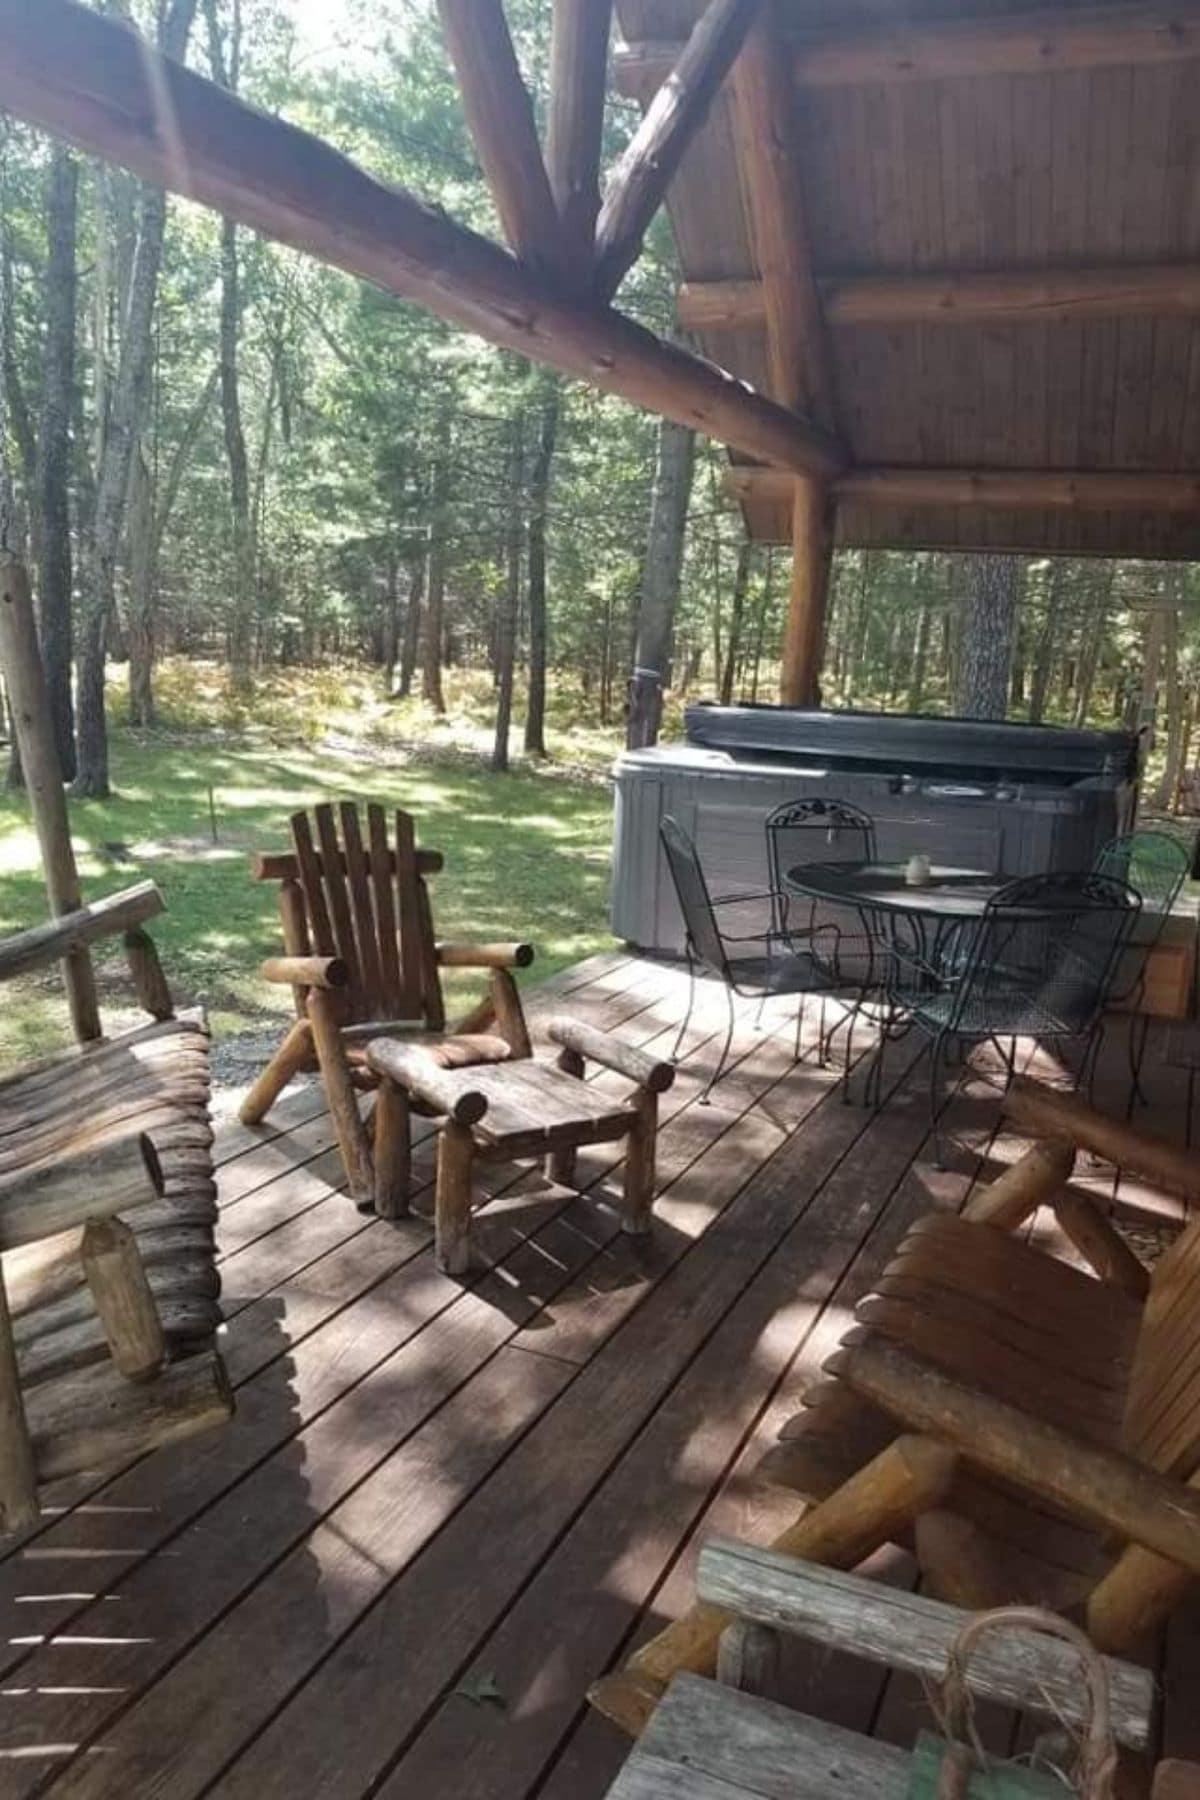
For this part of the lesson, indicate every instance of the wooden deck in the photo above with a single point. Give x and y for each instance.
(431, 1486)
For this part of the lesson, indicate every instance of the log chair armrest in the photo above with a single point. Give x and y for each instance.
(414, 1070)
(1101, 1245)
(612, 1053)
(93, 1183)
(484, 956)
(1102, 1486)
(57, 938)
(901, 1630)
(306, 971)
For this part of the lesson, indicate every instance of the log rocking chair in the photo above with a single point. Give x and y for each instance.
(363, 963)
(1032, 1430)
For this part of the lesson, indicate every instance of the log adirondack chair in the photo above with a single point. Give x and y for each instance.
(363, 963)
(108, 1284)
(1032, 1429)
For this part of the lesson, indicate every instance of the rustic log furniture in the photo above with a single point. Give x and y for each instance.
(1022, 1419)
(731, 1738)
(522, 1108)
(106, 1338)
(362, 962)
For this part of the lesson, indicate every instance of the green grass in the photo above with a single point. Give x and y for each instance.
(527, 853)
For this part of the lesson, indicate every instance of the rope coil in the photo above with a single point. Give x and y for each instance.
(953, 1705)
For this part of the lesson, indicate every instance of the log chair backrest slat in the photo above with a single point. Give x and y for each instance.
(408, 910)
(336, 895)
(1162, 1425)
(320, 929)
(358, 878)
(368, 903)
(390, 984)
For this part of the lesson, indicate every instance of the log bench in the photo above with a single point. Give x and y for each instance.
(721, 1740)
(108, 1285)
(511, 1110)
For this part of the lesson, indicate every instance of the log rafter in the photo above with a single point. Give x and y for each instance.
(1036, 42)
(639, 181)
(578, 72)
(1003, 296)
(500, 118)
(769, 165)
(1055, 490)
(95, 81)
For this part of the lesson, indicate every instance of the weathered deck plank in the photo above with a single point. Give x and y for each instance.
(428, 1479)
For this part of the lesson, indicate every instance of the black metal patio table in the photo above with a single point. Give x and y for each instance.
(911, 923)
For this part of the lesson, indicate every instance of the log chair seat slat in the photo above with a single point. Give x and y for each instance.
(154, 1079)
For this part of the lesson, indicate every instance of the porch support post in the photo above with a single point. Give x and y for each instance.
(804, 629)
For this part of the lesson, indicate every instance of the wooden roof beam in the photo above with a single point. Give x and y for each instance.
(578, 79)
(798, 353)
(639, 182)
(1049, 490)
(94, 81)
(500, 118)
(1035, 42)
(999, 297)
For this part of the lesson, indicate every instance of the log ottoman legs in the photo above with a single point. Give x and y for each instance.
(518, 1109)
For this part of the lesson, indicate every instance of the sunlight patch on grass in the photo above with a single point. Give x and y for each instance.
(526, 853)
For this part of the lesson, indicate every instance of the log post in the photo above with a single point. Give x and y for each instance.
(804, 631)
(325, 1018)
(560, 1164)
(639, 1164)
(18, 1480)
(1043, 1171)
(456, 1151)
(149, 982)
(294, 920)
(393, 1158)
(510, 1015)
(749, 1658)
(124, 1303)
(293, 1055)
(32, 722)
(910, 1476)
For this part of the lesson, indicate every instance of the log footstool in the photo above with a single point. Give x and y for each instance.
(504, 1111)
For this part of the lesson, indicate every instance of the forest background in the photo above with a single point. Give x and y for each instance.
(290, 537)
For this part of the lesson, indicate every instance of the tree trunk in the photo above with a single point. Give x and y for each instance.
(737, 609)
(412, 626)
(1168, 787)
(389, 637)
(142, 581)
(1043, 656)
(54, 454)
(510, 597)
(1092, 643)
(988, 631)
(121, 428)
(226, 73)
(920, 661)
(431, 649)
(539, 497)
(660, 582)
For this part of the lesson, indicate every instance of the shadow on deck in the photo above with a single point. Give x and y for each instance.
(444, 1507)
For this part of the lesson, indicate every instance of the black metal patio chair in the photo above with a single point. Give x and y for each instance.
(1155, 865)
(817, 830)
(1040, 963)
(777, 970)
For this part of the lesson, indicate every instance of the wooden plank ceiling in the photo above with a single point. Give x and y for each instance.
(1023, 170)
